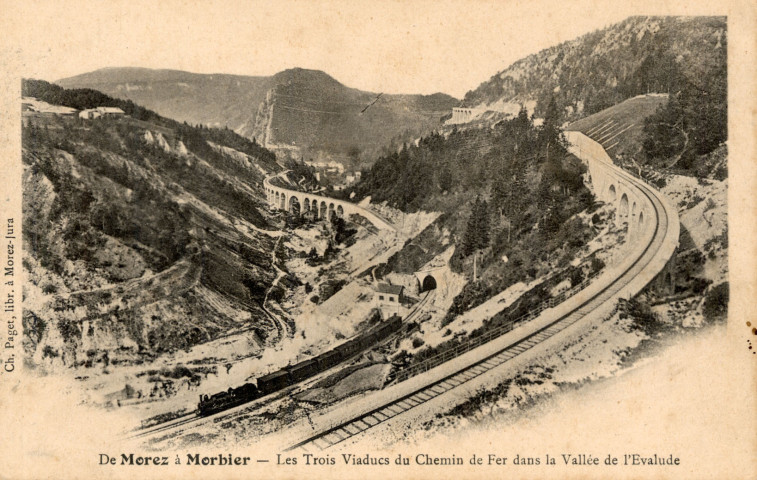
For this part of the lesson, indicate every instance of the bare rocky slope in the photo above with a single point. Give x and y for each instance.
(305, 112)
(141, 237)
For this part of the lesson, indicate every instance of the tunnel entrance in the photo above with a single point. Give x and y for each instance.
(429, 283)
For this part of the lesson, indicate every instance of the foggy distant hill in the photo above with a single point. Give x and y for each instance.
(303, 111)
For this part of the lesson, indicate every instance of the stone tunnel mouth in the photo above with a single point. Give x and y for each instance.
(429, 283)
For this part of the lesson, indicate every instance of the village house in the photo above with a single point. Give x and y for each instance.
(92, 113)
(388, 299)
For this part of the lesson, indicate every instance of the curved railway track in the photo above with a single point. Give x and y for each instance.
(384, 413)
(387, 410)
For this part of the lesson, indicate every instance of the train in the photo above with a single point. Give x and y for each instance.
(292, 374)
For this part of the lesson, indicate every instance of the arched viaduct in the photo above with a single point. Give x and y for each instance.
(320, 207)
(633, 209)
(463, 115)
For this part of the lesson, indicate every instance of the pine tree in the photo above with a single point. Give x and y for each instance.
(477, 230)
(469, 239)
(482, 225)
(550, 132)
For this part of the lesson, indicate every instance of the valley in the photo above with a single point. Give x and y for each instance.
(566, 234)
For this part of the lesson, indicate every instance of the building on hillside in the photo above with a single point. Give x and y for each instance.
(111, 111)
(388, 299)
(89, 113)
(92, 113)
(352, 178)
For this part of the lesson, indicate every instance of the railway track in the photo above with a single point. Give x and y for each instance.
(191, 420)
(418, 308)
(384, 413)
(171, 424)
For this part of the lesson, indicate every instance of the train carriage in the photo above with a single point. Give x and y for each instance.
(273, 382)
(302, 370)
(328, 359)
(349, 348)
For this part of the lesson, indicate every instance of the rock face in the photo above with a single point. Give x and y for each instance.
(602, 68)
(305, 112)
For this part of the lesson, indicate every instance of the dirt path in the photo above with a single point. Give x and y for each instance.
(281, 326)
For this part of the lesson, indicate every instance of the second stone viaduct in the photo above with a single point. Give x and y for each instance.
(319, 206)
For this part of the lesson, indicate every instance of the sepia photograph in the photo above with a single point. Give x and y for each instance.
(365, 239)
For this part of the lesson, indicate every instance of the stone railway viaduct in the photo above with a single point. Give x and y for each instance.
(317, 205)
(633, 210)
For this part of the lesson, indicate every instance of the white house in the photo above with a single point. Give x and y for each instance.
(388, 299)
(98, 112)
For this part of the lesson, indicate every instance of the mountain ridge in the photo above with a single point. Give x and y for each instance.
(296, 111)
(638, 55)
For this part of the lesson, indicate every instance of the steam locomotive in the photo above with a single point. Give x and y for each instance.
(293, 374)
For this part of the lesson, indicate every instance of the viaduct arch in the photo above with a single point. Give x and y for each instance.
(317, 206)
(464, 115)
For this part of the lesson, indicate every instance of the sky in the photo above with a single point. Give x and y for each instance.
(380, 46)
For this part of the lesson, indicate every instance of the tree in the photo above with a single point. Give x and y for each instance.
(550, 135)
(477, 231)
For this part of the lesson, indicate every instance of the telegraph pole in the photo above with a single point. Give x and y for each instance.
(475, 258)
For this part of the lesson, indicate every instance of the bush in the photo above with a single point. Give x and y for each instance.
(69, 330)
(660, 182)
(329, 288)
(596, 265)
(48, 351)
(715, 305)
(698, 285)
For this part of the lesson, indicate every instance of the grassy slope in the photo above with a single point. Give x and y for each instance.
(619, 128)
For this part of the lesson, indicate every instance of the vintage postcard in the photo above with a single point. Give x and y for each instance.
(332, 239)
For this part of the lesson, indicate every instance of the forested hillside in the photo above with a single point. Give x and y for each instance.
(510, 192)
(636, 56)
(684, 57)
